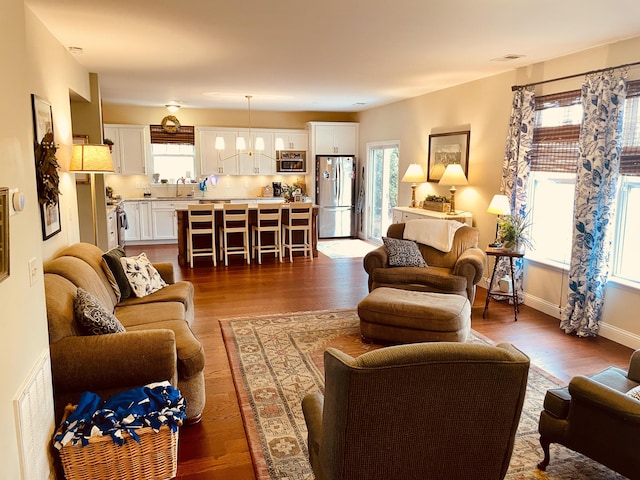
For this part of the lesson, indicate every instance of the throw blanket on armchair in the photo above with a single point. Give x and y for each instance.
(435, 233)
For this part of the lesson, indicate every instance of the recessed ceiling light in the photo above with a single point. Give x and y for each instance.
(359, 104)
(76, 50)
(507, 58)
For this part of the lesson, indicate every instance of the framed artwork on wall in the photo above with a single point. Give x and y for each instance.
(446, 148)
(46, 167)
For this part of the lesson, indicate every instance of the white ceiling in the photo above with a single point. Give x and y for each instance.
(318, 55)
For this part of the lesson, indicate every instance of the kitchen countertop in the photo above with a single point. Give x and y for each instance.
(206, 199)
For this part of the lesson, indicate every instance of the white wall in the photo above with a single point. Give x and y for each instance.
(483, 107)
(47, 72)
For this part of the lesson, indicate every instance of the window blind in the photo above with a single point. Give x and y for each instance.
(556, 133)
(630, 156)
(185, 135)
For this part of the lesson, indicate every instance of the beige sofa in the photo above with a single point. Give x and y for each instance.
(456, 272)
(158, 343)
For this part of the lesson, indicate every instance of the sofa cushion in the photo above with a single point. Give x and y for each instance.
(403, 253)
(93, 318)
(142, 275)
(149, 313)
(115, 273)
(189, 349)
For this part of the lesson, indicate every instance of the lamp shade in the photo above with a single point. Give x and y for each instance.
(91, 158)
(220, 143)
(414, 174)
(279, 143)
(499, 205)
(259, 144)
(453, 175)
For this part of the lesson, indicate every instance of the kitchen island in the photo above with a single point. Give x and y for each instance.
(253, 215)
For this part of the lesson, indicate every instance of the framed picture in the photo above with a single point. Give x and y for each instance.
(446, 148)
(42, 118)
(43, 124)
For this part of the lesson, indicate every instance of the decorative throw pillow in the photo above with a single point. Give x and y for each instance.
(403, 253)
(93, 318)
(634, 392)
(142, 275)
(113, 268)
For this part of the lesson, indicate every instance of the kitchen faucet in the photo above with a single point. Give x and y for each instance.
(181, 179)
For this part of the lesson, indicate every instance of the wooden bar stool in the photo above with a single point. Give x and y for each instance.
(269, 221)
(299, 220)
(235, 220)
(201, 222)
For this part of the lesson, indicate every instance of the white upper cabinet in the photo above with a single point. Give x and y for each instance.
(335, 138)
(293, 139)
(212, 161)
(259, 163)
(130, 151)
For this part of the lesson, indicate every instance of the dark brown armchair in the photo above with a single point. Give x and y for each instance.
(427, 410)
(457, 271)
(595, 416)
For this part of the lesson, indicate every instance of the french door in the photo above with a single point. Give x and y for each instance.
(382, 188)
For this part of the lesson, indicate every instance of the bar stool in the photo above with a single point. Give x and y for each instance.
(269, 221)
(235, 220)
(299, 221)
(201, 222)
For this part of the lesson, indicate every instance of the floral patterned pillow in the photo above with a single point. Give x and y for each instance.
(634, 392)
(403, 253)
(93, 318)
(142, 275)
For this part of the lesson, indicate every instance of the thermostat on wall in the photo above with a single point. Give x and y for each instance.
(17, 201)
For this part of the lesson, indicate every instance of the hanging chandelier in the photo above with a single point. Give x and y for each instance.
(241, 144)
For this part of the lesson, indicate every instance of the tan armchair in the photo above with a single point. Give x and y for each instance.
(595, 417)
(427, 410)
(457, 271)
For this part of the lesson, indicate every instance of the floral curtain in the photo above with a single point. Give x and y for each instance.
(603, 97)
(515, 171)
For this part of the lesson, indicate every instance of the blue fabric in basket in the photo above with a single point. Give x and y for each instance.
(153, 405)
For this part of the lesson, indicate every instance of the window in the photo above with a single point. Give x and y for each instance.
(383, 182)
(552, 181)
(173, 161)
(173, 154)
(554, 159)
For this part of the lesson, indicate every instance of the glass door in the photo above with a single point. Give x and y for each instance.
(382, 182)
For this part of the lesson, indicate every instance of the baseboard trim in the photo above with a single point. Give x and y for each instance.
(610, 332)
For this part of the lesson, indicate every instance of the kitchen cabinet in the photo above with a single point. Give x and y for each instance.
(211, 161)
(402, 214)
(257, 164)
(139, 220)
(293, 139)
(130, 150)
(335, 138)
(112, 228)
(164, 219)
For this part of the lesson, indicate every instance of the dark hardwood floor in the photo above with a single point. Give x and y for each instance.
(217, 447)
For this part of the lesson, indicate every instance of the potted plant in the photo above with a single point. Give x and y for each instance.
(436, 203)
(108, 141)
(513, 232)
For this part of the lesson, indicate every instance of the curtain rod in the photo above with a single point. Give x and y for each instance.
(519, 87)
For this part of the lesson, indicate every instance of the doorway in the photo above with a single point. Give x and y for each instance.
(382, 183)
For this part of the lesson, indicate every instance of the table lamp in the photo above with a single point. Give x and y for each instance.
(499, 206)
(414, 175)
(454, 176)
(91, 159)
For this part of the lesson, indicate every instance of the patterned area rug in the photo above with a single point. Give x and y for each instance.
(277, 359)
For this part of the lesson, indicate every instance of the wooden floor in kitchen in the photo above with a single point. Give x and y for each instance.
(217, 447)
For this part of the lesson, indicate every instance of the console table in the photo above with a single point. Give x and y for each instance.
(510, 254)
(402, 214)
(183, 224)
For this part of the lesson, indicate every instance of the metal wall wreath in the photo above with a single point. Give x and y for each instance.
(170, 128)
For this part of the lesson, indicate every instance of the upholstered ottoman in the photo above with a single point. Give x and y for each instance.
(390, 315)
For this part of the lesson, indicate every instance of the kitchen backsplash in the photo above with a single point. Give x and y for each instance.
(134, 186)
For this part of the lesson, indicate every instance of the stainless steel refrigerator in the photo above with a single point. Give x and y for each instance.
(335, 196)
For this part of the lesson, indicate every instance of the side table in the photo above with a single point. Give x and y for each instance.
(499, 253)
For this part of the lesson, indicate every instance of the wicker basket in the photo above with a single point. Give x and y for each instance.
(155, 457)
(443, 207)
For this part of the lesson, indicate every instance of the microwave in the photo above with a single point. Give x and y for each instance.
(291, 161)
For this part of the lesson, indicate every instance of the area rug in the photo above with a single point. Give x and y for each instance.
(277, 359)
(345, 248)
